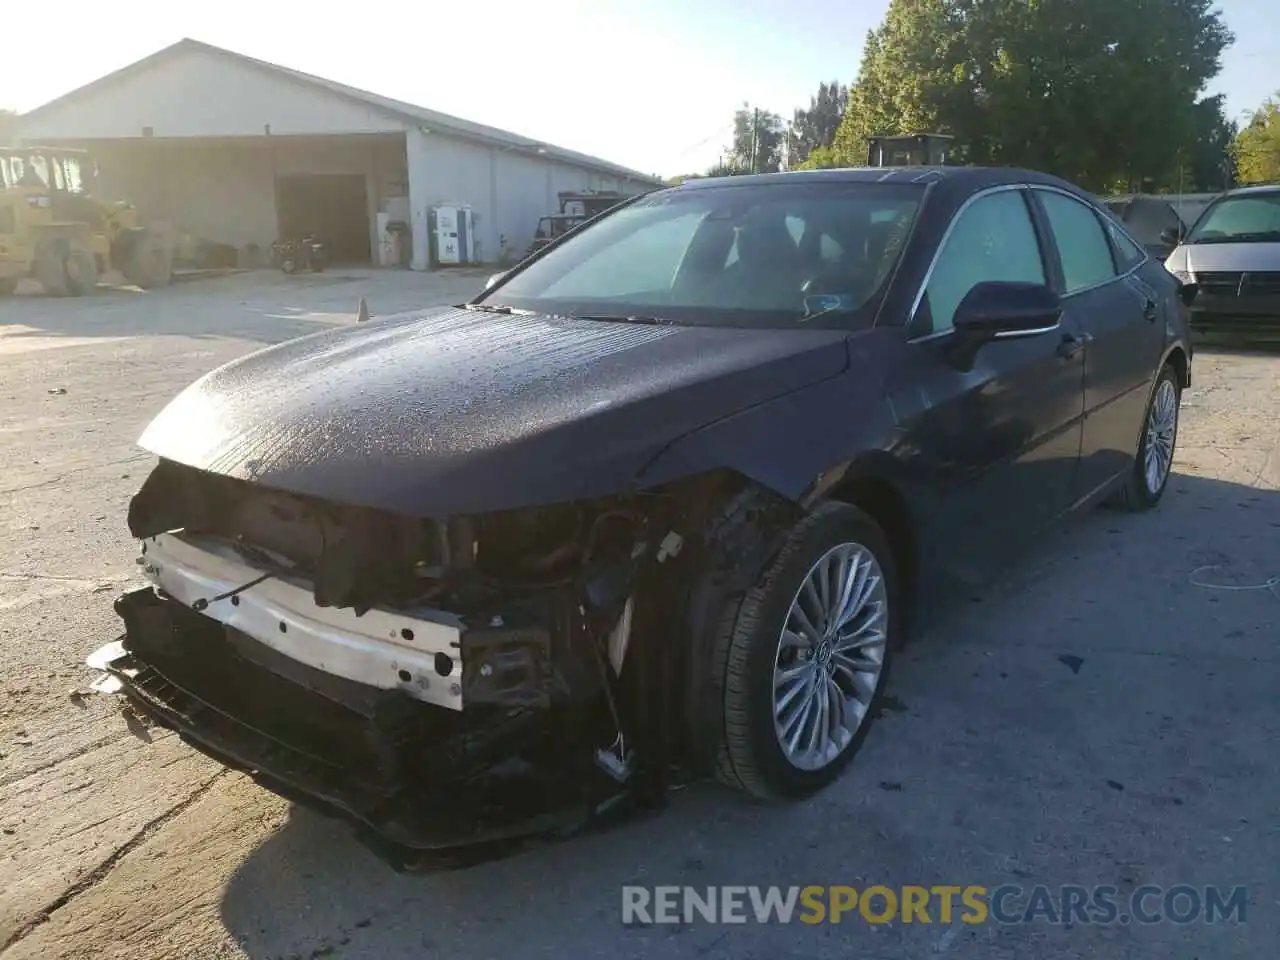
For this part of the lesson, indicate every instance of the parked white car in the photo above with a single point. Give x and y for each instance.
(1232, 255)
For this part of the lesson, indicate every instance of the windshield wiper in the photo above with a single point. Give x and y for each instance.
(485, 307)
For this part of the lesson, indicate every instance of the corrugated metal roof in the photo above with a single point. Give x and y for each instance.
(405, 112)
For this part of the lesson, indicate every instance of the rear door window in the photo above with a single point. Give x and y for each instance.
(1082, 244)
(1128, 254)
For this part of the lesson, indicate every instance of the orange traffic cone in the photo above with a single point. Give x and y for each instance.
(362, 312)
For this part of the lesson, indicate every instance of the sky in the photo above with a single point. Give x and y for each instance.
(650, 84)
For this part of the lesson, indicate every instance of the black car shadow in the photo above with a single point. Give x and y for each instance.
(1065, 725)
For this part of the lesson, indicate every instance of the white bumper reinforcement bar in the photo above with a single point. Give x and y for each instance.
(419, 653)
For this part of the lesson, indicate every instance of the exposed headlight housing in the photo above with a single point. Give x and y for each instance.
(1186, 276)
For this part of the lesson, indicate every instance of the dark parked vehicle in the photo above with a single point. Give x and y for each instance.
(1232, 254)
(661, 501)
(1150, 220)
(294, 256)
(551, 228)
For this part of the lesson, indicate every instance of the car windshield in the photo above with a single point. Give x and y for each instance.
(1240, 219)
(780, 254)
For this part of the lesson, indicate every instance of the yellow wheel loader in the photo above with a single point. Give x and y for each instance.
(53, 229)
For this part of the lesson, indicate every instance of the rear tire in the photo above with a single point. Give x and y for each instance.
(765, 667)
(1153, 461)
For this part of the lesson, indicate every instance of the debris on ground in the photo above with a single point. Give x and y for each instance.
(138, 723)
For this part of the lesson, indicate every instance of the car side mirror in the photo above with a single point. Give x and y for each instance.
(1172, 236)
(1002, 310)
(494, 279)
(1187, 293)
(997, 309)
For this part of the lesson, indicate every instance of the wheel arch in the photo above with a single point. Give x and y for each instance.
(868, 486)
(1177, 357)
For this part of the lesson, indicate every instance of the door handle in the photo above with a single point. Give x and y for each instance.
(1150, 310)
(1071, 345)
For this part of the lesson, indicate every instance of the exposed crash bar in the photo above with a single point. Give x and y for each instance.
(381, 648)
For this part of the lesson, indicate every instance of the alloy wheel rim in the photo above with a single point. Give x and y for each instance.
(830, 656)
(1162, 431)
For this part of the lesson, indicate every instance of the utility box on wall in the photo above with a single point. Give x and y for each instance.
(452, 233)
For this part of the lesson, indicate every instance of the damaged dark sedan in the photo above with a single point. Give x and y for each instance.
(659, 503)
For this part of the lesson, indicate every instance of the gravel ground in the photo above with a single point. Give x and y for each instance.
(1104, 715)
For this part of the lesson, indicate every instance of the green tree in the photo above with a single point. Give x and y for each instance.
(1097, 91)
(907, 71)
(815, 127)
(725, 167)
(824, 158)
(1211, 165)
(758, 138)
(1257, 145)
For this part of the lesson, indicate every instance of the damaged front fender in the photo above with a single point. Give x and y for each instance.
(787, 443)
(557, 639)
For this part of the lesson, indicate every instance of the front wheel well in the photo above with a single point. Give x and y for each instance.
(886, 505)
(1181, 366)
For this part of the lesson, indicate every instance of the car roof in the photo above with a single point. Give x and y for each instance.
(976, 177)
(1255, 189)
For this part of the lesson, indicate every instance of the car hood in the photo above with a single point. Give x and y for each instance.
(457, 411)
(1195, 257)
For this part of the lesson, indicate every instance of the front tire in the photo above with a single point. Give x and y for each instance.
(801, 662)
(1153, 461)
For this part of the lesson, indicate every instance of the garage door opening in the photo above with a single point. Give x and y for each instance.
(333, 207)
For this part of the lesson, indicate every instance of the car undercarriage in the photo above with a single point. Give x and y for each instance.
(444, 682)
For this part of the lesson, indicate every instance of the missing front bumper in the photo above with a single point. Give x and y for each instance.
(414, 775)
(417, 653)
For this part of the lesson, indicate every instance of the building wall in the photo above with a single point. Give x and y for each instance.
(200, 94)
(198, 137)
(224, 191)
(508, 190)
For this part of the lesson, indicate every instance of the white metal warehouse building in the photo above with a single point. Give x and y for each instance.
(239, 151)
